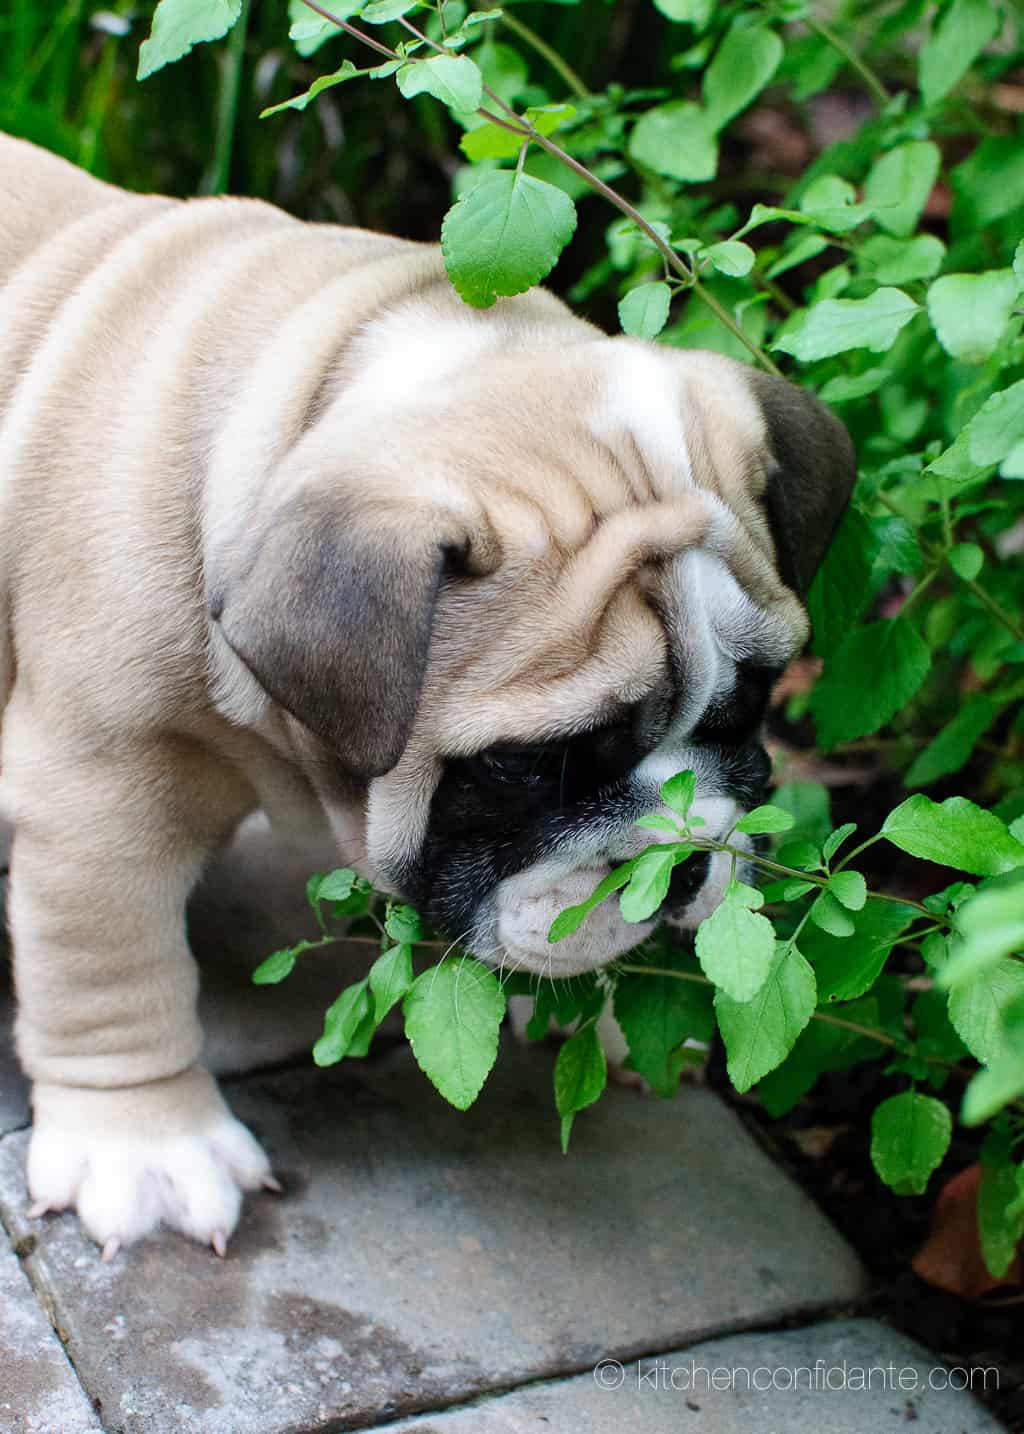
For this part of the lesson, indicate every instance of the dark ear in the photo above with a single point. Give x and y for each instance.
(811, 480)
(332, 616)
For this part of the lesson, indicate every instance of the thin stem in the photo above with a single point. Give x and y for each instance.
(352, 30)
(674, 260)
(856, 851)
(921, 587)
(797, 875)
(997, 612)
(542, 48)
(851, 57)
(227, 105)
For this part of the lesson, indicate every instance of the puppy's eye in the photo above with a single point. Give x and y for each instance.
(523, 766)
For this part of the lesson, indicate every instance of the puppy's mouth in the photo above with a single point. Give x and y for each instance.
(525, 912)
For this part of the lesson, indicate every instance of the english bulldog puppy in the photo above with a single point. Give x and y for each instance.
(284, 524)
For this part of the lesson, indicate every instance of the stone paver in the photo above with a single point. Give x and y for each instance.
(39, 1393)
(837, 1378)
(422, 1257)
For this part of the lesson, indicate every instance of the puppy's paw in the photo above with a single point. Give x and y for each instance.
(132, 1159)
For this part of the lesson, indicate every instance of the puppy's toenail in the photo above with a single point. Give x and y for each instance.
(110, 1249)
(219, 1242)
(38, 1210)
(270, 1182)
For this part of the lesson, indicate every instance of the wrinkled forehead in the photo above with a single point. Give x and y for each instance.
(634, 552)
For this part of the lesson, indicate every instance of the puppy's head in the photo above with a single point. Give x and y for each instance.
(513, 609)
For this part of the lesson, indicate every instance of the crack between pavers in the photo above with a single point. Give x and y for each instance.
(23, 1248)
(800, 1318)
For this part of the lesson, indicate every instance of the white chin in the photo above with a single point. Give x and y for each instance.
(528, 904)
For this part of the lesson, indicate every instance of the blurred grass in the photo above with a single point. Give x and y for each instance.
(360, 155)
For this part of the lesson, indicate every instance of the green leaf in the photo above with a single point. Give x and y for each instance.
(910, 1134)
(656, 823)
(649, 881)
(505, 235)
(679, 791)
(899, 184)
(454, 79)
(657, 1014)
(835, 840)
(998, 426)
(390, 979)
(489, 141)
(180, 24)
(580, 1071)
(970, 312)
(810, 806)
(873, 673)
(335, 886)
(846, 967)
(572, 918)
(643, 312)
(309, 31)
(689, 12)
(675, 139)
(730, 257)
(347, 71)
(954, 833)
(834, 326)
(765, 819)
(793, 890)
(341, 1021)
(380, 12)
(562, 1004)
(993, 1088)
(1000, 1215)
(402, 923)
(800, 853)
(827, 913)
(831, 202)
(452, 1016)
(278, 965)
(841, 590)
(743, 64)
(736, 948)
(820, 1047)
(844, 388)
(850, 888)
(990, 925)
(966, 560)
(759, 1034)
(898, 261)
(957, 38)
(977, 1010)
(953, 744)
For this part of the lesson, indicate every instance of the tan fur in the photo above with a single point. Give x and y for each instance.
(172, 377)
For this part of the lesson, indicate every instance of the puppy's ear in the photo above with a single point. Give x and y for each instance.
(811, 479)
(332, 615)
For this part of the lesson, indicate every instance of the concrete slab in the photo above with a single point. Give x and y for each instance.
(836, 1378)
(39, 1392)
(421, 1257)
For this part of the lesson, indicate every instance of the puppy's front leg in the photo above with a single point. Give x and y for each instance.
(129, 1129)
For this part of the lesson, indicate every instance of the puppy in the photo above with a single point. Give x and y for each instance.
(284, 524)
